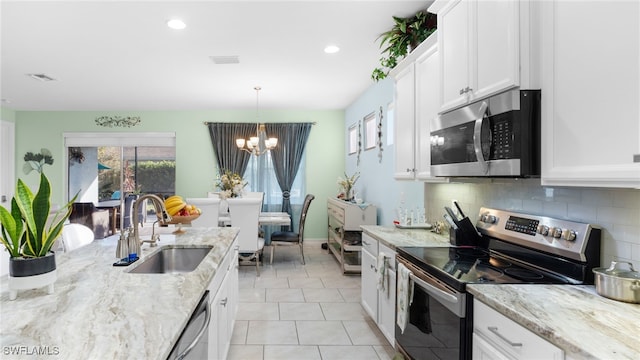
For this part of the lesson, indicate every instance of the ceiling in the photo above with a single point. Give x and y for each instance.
(120, 55)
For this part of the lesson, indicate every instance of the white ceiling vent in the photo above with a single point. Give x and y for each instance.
(41, 77)
(221, 60)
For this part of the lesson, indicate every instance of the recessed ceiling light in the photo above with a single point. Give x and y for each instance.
(176, 24)
(331, 49)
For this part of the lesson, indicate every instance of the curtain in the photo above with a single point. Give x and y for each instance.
(223, 139)
(292, 140)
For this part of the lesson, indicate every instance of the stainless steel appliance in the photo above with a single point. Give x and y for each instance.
(193, 342)
(498, 136)
(514, 248)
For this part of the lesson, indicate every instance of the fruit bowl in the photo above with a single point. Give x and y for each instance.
(183, 219)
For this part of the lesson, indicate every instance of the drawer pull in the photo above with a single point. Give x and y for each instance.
(494, 329)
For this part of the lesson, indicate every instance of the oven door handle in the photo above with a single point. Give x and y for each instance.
(434, 291)
(477, 138)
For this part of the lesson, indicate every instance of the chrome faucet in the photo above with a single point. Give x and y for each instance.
(161, 213)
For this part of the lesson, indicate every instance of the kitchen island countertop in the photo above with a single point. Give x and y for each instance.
(575, 318)
(394, 237)
(99, 311)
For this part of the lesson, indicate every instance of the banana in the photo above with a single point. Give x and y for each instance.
(174, 204)
(175, 209)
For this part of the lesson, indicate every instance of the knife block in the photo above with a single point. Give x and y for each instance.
(465, 235)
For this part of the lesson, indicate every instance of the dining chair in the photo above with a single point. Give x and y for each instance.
(288, 238)
(75, 236)
(245, 213)
(210, 208)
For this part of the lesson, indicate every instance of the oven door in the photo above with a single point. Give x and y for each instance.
(439, 321)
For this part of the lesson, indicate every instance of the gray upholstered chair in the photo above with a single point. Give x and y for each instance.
(280, 238)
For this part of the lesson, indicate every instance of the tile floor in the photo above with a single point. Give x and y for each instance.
(295, 311)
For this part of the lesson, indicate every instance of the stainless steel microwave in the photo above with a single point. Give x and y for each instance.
(495, 137)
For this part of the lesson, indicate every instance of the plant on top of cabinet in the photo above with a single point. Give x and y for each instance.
(405, 35)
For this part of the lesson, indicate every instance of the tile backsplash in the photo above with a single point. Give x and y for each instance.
(616, 211)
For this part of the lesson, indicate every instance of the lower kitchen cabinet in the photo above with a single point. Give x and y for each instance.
(495, 336)
(380, 304)
(223, 305)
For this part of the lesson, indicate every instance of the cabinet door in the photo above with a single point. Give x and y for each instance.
(427, 75)
(213, 339)
(591, 94)
(482, 350)
(404, 121)
(387, 309)
(453, 45)
(222, 307)
(494, 50)
(368, 288)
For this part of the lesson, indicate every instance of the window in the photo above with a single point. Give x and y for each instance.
(370, 131)
(353, 139)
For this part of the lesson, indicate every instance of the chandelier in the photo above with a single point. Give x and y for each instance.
(253, 144)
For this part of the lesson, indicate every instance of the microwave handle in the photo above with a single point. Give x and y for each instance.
(477, 138)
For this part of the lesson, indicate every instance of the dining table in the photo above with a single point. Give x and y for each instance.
(265, 218)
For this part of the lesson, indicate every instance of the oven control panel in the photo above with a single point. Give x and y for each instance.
(563, 237)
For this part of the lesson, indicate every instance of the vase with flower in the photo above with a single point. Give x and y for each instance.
(346, 185)
(231, 185)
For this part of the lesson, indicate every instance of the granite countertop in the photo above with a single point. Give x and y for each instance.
(99, 311)
(394, 237)
(574, 318)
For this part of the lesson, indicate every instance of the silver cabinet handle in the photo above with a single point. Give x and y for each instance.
(196, 340)
(494, 329)
(223, 302)
(636, 159)
(461, 91)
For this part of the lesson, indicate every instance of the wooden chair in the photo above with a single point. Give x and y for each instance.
(210, 211)
(280, 238)
(245, 213)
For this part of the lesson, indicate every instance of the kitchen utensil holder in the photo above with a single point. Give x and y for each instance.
(465, 235)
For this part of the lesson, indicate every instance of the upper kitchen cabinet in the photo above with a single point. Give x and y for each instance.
(417, 98)
(484, 47)
(591, 93)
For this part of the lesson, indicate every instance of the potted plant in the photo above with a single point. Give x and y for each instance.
(405, 35)
(28, 237)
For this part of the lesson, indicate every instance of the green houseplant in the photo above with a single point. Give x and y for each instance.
(405, 35)
(28, 236)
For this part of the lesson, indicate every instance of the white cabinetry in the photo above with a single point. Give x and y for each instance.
(497, 337)
(591, 94)
(224, 305)
(484, 49)
(417, 98)
(380, 304)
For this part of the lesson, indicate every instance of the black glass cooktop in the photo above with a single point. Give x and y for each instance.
(457, 266)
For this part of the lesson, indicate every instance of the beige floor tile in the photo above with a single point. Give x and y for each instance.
(351, 295)
(245, 282)
(297, 352)
(386, 352)
(322, 295)
(272, 332)
(245, 352)
(300, 311)
(271, 283)
(306, 283)
(284, 295)
(252, 295)
(340, 282)
(292, 273)
(258, 311)
(322, 333)
(348, 352)
(363, 332)
(343, 311)
(239, 335)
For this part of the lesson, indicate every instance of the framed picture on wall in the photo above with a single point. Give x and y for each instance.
(370, 131)
(353, 139)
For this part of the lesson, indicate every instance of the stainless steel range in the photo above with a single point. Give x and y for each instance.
(513, 248)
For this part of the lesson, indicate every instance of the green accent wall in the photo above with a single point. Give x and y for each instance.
(195, 166)
(7, 115)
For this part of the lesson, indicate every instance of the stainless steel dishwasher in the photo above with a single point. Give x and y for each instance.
(193, 342)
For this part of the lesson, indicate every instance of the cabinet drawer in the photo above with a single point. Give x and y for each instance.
(370, 244)
(509, 337)
(336, 212)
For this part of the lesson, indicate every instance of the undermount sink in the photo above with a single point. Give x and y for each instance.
(172, 260)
